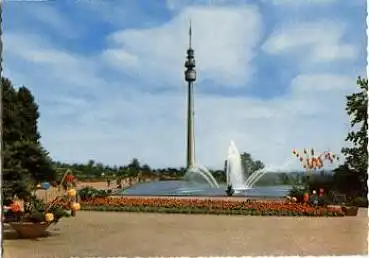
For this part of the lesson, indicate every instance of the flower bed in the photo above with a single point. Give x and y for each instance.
(209, 206)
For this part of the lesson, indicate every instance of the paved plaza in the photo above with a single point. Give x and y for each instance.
(145, 234)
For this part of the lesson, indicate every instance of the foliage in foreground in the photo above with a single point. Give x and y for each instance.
(209, 206)
(353, 175)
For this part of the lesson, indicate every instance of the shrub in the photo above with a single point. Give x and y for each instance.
(324, 200)
(326, 183)
(297, 192)
(89, 192)
(359, 202)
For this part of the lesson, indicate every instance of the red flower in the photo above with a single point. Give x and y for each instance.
(70, 178)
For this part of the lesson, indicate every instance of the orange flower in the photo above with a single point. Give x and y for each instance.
(314, 162)
(15, 207)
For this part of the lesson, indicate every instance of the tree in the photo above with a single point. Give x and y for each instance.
(146, 170)
(284, 178)
(91, 163)
(250, 165)
(11, 125)
(356, 162)
(134, 168)
(347, 181)
(14, 177)
(31, 160)
(135, 164)
(25, 162)
(356, 107)
(28, 111)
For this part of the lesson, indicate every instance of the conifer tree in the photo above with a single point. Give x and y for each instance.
(25, 161)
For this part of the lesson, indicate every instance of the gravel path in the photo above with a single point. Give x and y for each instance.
(145, 234)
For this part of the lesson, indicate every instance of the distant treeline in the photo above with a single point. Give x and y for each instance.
(98, 171)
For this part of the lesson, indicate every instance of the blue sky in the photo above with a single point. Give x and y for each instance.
(108, 76)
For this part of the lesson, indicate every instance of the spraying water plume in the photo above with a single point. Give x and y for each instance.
(235, 172)
(235, 175)
(204, 173)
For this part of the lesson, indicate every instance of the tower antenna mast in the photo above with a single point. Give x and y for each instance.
(190, 35)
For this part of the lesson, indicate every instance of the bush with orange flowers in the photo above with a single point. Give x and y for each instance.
(208, 206)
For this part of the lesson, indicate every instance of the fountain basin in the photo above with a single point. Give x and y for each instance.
(185, 188)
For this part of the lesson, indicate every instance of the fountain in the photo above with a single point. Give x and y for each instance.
(204, 173)
(235, 171)
(202, 182)
(236, 178)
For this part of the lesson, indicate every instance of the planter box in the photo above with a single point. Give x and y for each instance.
(30, 229)
(350, 211)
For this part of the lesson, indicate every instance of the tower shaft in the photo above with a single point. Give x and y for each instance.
(190, 127)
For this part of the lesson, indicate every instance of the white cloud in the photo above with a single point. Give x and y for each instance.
(120, 58)
(73, 69)
(318, 83)
(224, 40)
(319, 41)
(56, 20)
(45, 15)
(176, 5)
(285, 3)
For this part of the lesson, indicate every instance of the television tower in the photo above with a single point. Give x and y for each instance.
(190, 77)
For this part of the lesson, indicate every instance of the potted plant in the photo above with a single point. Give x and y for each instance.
(38, 216)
